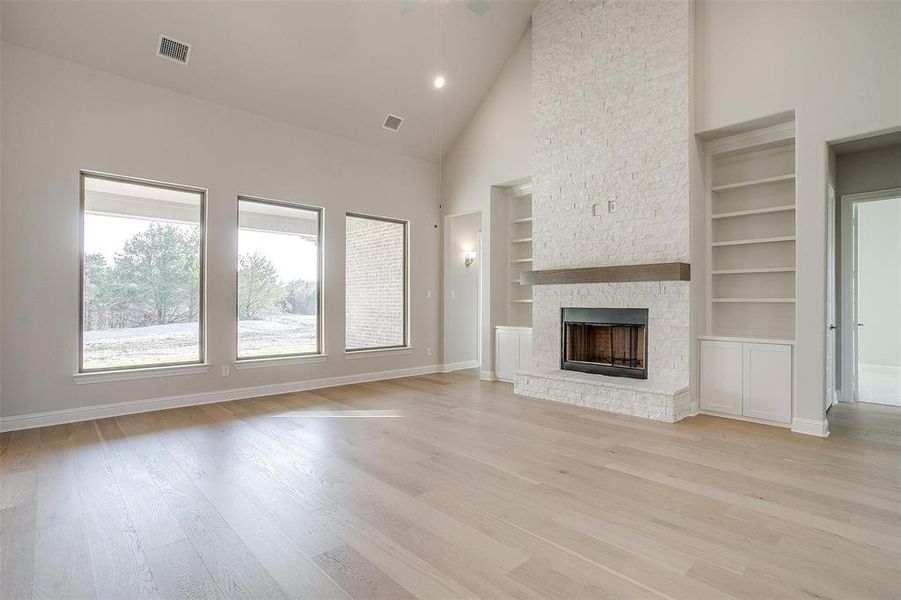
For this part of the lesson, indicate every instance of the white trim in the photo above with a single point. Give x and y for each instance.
(774, 134)
(748, 339)
(354, 354)
(886, 194)
(458, 366)
(279, 361)
(487, 375)
(143, 373)
(116, 409)
(811, 427)
(713, 413)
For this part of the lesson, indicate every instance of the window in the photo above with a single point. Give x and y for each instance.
(141, 274)
(376, 283)
(279, 268)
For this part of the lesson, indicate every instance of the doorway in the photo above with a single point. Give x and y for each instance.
(863, 334)
(873, 288)
(462, 291)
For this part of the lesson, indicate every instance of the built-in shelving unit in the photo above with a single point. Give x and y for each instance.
(755, 211)
(753, 182)
(519, 211)
(751, 235)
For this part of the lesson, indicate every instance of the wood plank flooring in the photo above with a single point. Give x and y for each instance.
(443, 486)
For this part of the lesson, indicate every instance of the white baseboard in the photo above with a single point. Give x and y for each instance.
(811, 427)
(116, 409)
(486, 375)
(459, 366)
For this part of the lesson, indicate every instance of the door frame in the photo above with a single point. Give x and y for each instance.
(848, 269)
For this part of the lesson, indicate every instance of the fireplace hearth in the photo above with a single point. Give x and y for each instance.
(606, 341)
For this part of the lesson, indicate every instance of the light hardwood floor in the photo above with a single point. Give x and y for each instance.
(446, 487)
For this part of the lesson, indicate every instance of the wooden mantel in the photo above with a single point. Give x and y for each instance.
(670, 271)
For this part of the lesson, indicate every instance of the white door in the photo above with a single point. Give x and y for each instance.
(721, 377)
(830, 299)
(525, 350)
(506, 348)
(855, 324)
(767, 390)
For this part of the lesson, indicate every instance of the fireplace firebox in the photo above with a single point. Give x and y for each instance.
(607, 341)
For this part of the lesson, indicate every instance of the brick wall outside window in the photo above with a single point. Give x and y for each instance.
(374, 307)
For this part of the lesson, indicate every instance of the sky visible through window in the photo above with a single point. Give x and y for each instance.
(292, 256)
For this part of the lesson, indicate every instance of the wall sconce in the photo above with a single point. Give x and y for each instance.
(469, 257)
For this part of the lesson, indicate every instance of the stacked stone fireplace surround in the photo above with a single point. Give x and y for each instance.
(610, 86)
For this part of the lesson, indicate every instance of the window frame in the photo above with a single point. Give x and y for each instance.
(320, 271)
(84, 174)
(405, 344)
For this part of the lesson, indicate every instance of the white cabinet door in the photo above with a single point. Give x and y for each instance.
(506, 354)
(525, 350)
(768, 382)
(721, 377)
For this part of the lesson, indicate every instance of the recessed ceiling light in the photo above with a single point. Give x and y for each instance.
(439, 82)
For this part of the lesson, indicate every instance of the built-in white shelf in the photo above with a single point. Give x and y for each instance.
(755, 211)
(517, 253)
(755, 300)
(753, 182)
(752, 271)
(765, 240)
(751, 230)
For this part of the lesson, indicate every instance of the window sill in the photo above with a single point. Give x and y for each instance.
(143, 373)
(280, 361)
(354, 354)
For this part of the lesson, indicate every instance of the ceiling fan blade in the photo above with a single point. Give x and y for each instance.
(479, 7)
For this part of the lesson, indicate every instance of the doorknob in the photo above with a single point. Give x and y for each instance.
(831, 327)
(860, 324)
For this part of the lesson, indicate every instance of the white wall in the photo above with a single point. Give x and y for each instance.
(493, 149)
(461, 289)
(59, 117)
(495, 146)
(879, 282)
(838, 65)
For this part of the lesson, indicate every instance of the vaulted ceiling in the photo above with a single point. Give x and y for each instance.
(335, 66)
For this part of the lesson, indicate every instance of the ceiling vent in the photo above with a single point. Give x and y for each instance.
(392, 123)
(172, 49)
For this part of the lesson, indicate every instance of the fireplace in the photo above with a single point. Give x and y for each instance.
(607, 341)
